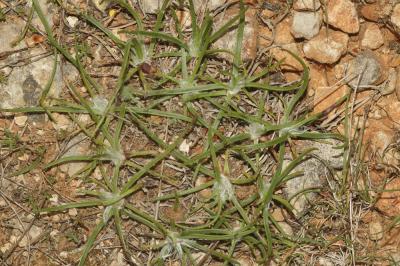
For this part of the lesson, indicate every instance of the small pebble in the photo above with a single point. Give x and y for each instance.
(73, 212)
(21, 120)
(287, 229)
(72, 21)
(306, 24)
(375, 231)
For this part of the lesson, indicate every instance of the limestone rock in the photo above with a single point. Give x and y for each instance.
(306, 5)
(72, 21)
(76, 147)
(25, 84)
(228, 41)
(150, 6)
(103, 4)
(371, 37)
(306, 24)
(314, 172)
(62, 122)
(20, 120)
(49, 10)
(33, 233)
(286, 228)
(326, 49)
(342, 15)
(9, 32)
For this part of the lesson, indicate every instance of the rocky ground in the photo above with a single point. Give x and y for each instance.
(343, 202)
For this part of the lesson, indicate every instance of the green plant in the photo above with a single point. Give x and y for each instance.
(226, 222)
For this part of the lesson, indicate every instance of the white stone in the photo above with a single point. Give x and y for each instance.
(33, 233)
(72, 21)
(20, 120)
(54, 233)
(101, 4)
(314, 172)
(381, 140)
(24, 157)
(150, 6)
(56, 218)
(228, 41)
(61, 122)
(287, 229)
(64, 254)
(25, 84)
(306, 24)
(9, 32)
(48, 11)
(54, 198)
(306, 5)
(185, 146)
(73, 212)
(13, 239)
(76, 147)
(5, 247)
